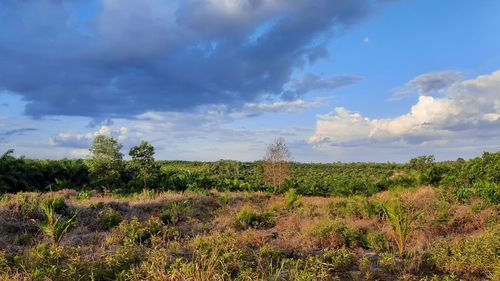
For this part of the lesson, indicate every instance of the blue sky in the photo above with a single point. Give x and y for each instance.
(357, 80)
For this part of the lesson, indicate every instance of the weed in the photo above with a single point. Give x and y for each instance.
(388, 261)
(339, 259)
(174, 212)
(84, 194)
(109, 218)
(57, 204)
(137, 232)
(468, 255)
(248, 218)
(342, 234)
(377, 241)
(291, 198)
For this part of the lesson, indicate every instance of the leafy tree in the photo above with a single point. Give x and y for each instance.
(143, 161)
(277, 164)
(107, 161)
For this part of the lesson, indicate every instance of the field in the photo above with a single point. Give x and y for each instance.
(413, 234)
(219, 221)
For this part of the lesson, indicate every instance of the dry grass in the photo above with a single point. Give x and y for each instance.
(302, 233)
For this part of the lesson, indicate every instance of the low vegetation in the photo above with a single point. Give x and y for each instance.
(110, 219)
(390, 235)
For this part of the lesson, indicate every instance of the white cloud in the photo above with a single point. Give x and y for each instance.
(280, 106)
(83, 140)
(468, 110)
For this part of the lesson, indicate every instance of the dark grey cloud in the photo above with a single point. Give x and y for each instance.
(17, 131)
(129, 57)
(311, 82)
(429, 83)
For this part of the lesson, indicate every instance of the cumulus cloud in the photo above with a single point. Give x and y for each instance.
(124, 58)
(83, 140)
(467, 110)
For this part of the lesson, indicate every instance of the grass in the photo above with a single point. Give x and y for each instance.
(418, 234)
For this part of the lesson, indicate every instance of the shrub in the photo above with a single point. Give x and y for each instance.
(57, 204)
(291, 198)
(469, 255)
(388, 262)
(84, 194)
(248, 218)
(173, 213)
(137, 232)
(344, 208)
(345, 235)
(377, 241)
(339, 259)
(109, 218)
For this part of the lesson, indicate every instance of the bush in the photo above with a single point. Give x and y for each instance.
(377, 241)
(57, 204)
(469, 255)
(388, 262)
(109, 218)
(339, 259)
(84, 194)
(344, 235)
(247, 218)
(137, 232)
(174, 212)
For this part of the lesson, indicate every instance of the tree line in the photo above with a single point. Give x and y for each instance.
(106, 170)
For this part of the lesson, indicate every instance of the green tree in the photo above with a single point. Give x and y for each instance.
(143, 161)
(106, 164)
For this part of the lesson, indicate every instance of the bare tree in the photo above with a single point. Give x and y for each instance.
(276, 164)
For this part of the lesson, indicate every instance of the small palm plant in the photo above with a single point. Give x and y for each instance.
(400, 224)
(55, 227)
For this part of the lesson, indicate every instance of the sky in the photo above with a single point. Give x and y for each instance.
(339, 80)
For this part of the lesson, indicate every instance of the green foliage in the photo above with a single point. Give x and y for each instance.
(477, 255)
(143, 162)
(3, 261)
(346, 235)
(248, 218)
(137, 232)
(377, 241)
(55, 227)
(109, 218)
(291, 198)
(174, 212)
(339, 259)
(400, 223)
(388, 261)
(106, 165)
(57, 204)
(84, 194)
